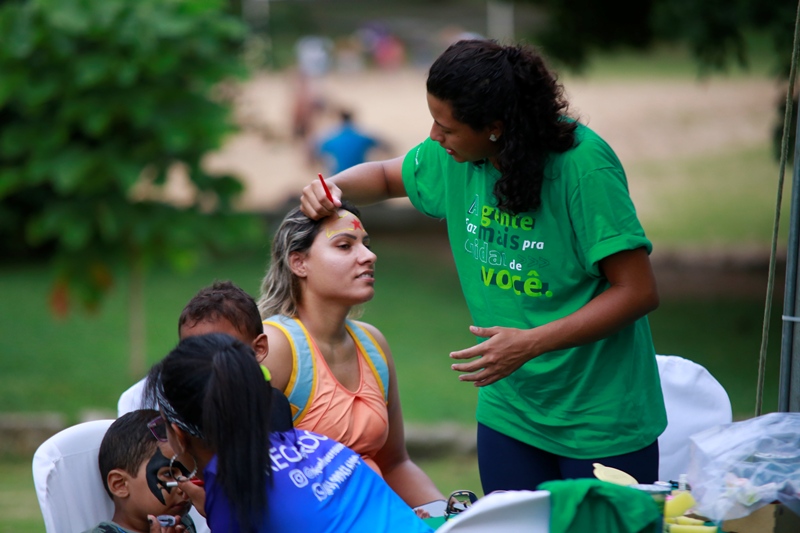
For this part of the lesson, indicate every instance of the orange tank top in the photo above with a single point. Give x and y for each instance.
(359, 420)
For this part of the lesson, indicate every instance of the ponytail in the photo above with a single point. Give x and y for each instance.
(212, 385)
(236, 423)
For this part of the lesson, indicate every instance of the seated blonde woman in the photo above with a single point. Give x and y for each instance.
(338, 373)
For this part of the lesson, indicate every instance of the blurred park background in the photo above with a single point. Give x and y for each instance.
(148, 148)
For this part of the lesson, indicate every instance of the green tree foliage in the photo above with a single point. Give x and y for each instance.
(715, 30)
(575, 28)
(98, 97)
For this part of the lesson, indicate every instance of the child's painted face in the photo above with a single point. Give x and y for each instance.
(150, 493)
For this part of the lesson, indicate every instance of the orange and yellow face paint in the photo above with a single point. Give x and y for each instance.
(347, 223)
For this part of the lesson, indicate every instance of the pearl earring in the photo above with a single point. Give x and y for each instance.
(493, 137)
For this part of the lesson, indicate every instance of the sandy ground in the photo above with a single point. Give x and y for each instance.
(642, 120)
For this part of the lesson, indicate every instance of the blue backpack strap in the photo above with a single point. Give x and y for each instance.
(374, 355)
(303, 379)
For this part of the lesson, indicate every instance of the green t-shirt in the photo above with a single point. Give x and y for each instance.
(530, 269)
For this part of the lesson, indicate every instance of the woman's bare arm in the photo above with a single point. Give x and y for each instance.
(406, 478)
(362, 184)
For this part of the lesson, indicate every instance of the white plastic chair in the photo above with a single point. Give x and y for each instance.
(516, 511)
(695, 401)
(67, 479)
(131, 399)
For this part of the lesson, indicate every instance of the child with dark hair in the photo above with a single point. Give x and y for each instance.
(224, 302)
(136, 472)
(222, 307)
(215, 409)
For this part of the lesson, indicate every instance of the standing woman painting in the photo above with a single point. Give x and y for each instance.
(552, 260)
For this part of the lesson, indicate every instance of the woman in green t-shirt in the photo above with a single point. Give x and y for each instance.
(553, 262)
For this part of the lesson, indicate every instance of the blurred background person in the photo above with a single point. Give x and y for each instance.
(313, 63)
(346, 145)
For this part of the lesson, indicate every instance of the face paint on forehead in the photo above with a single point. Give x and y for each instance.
(154, 483)
(355, 225)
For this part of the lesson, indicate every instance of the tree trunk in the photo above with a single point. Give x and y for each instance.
(136, 319)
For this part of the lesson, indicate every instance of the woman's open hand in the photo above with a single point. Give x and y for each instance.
(504, 351)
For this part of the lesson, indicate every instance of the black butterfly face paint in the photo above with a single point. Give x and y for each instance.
(157, 483)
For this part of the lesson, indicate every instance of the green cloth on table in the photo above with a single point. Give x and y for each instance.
(591, 505)
(434, 521)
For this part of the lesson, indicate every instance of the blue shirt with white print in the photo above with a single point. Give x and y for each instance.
(316, 484)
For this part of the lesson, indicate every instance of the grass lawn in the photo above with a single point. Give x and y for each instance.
(18, 504)
(81, 362)
(725, 198)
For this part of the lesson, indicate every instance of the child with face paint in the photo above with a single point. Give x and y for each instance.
(338, 373)
(135, 470)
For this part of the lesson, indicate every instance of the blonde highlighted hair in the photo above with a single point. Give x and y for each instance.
(280, 288)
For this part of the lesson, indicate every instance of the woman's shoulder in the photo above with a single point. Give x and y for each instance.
(590, 152)
(376, 334)
(586, 139)
(283, 327)
(279, 329)
(279, 359)
(369, 328)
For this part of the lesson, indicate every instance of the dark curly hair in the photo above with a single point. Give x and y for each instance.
(223, 300)
(484, 82)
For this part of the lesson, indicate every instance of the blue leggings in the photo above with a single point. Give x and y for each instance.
(508, 464)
